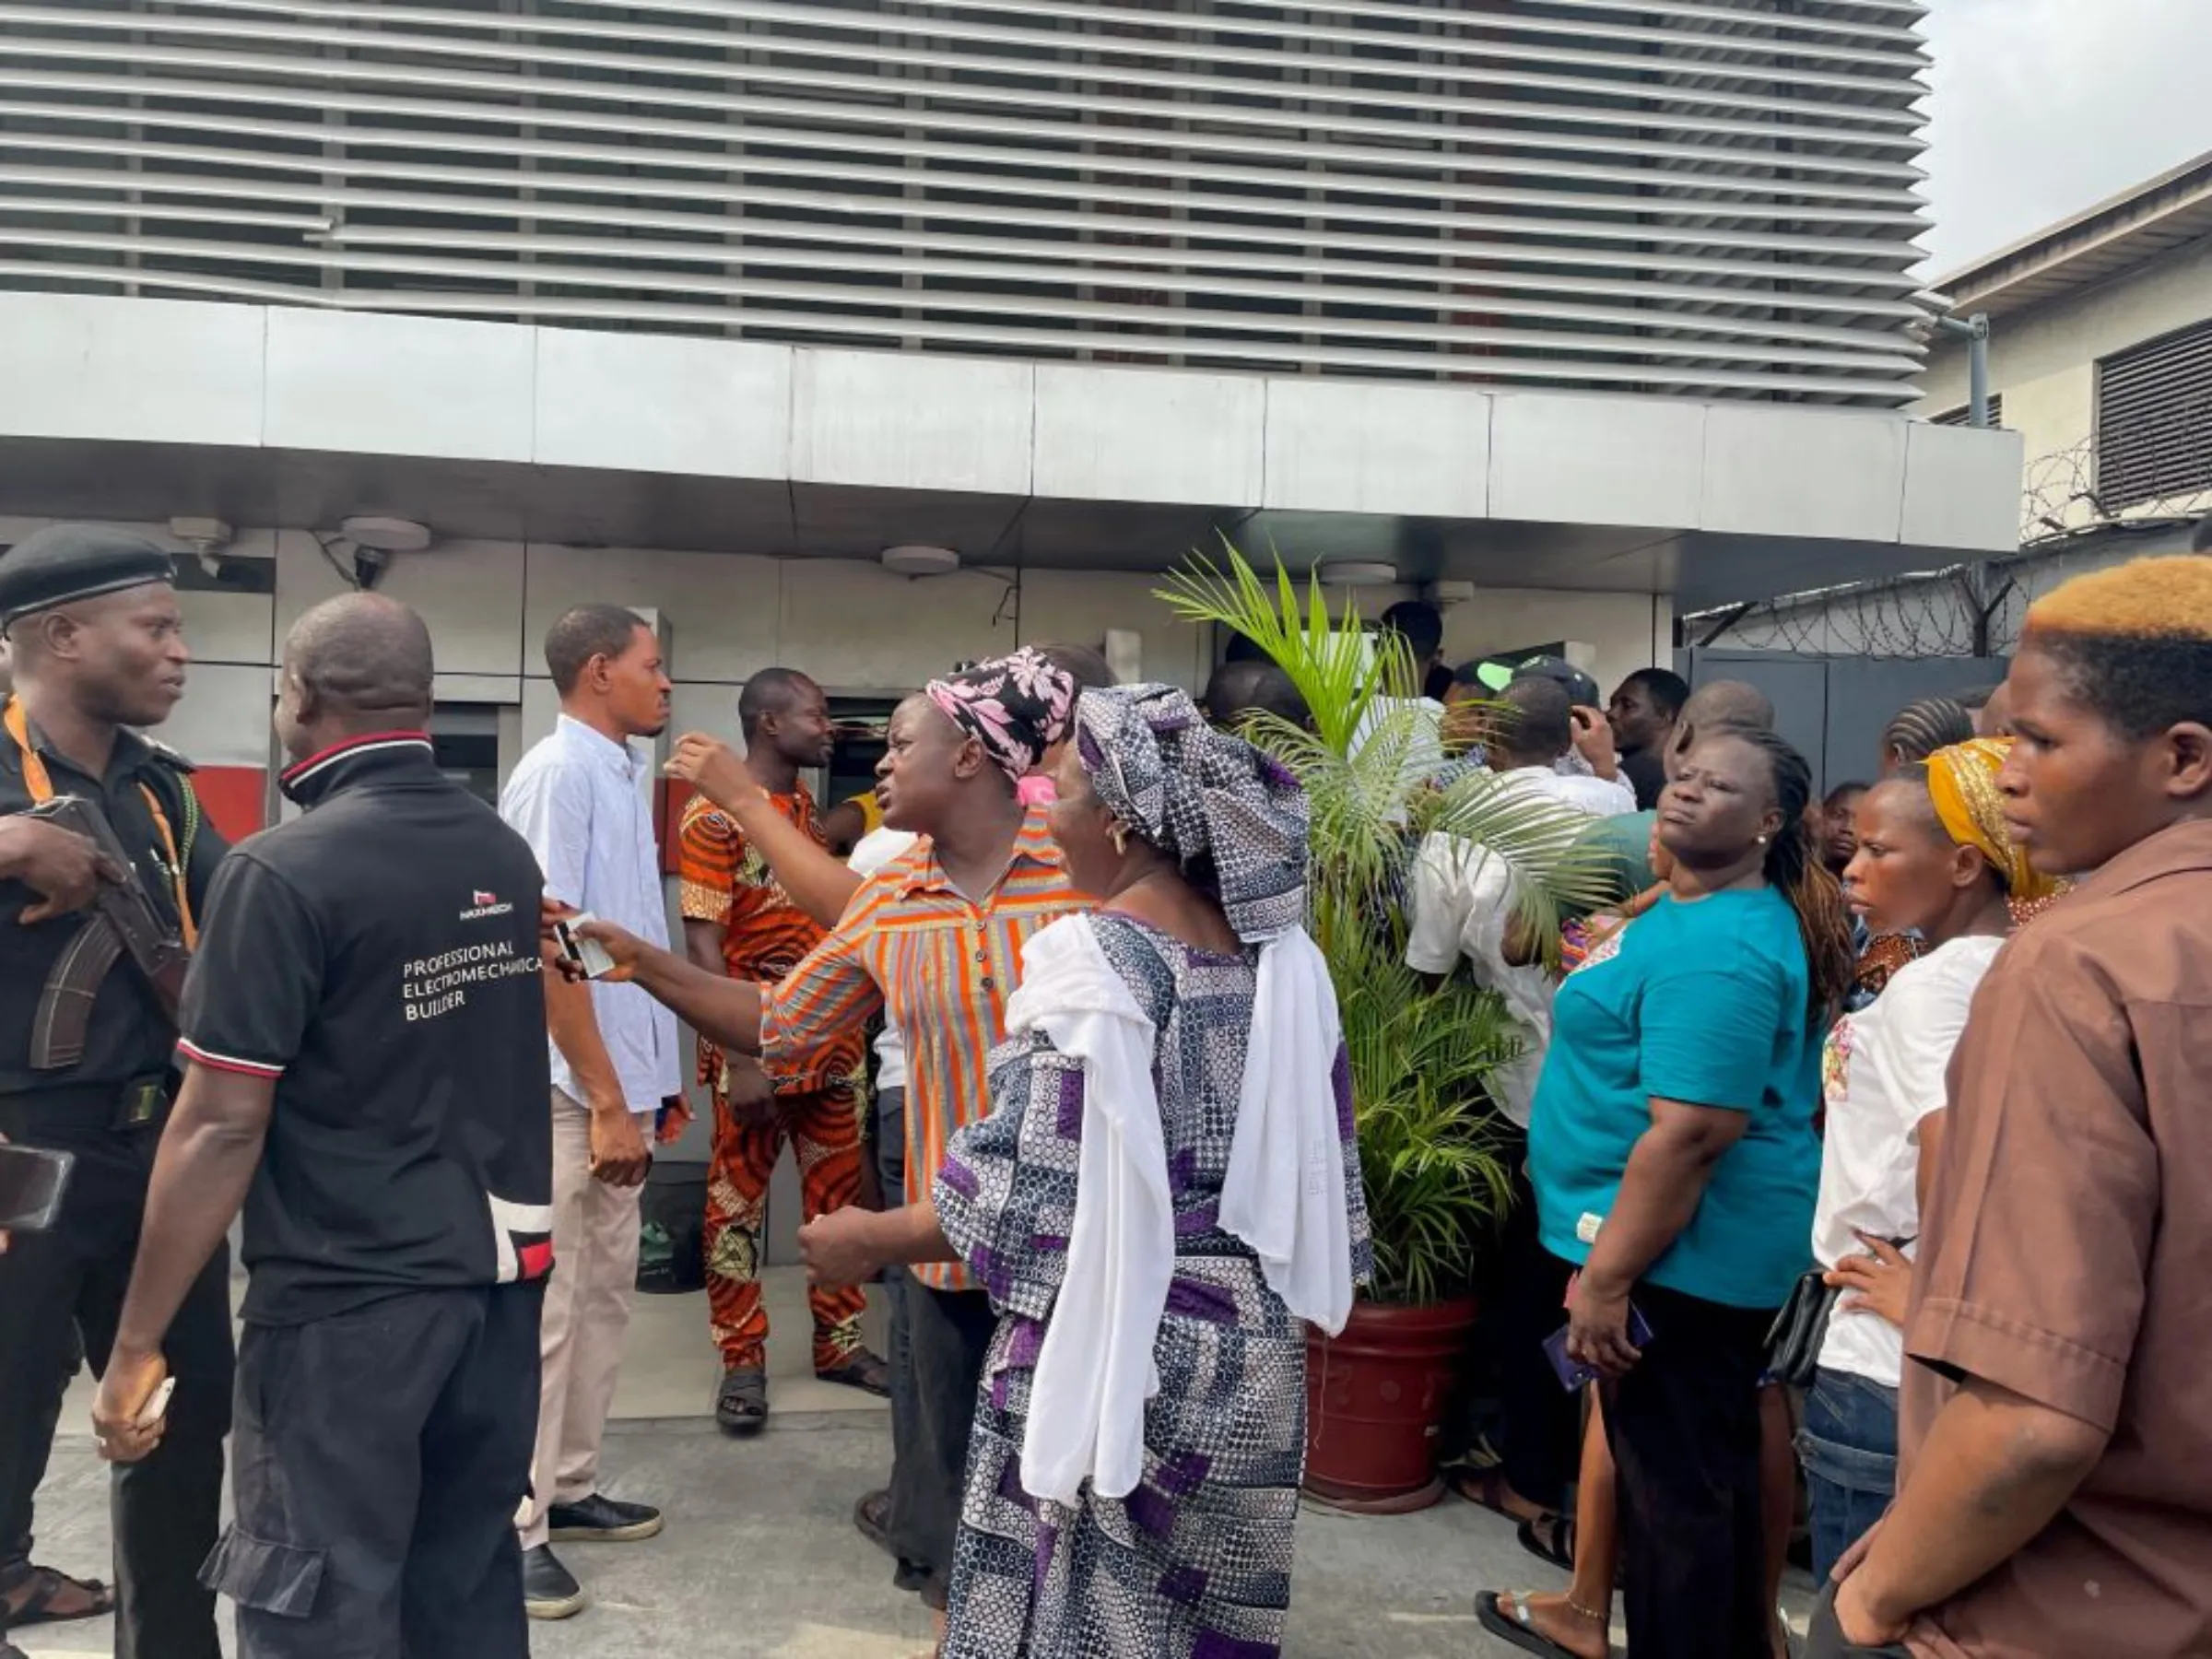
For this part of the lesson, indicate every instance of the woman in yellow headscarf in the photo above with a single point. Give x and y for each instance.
(1963, 783)
(1935, 861)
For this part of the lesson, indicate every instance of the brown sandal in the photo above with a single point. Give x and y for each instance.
(46, 1585)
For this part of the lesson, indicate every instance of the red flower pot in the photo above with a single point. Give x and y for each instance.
(1375, 1398)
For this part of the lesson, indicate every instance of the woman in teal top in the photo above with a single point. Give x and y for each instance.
(1675, 1161)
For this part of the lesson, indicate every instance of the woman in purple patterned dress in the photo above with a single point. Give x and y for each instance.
(1166, 1191)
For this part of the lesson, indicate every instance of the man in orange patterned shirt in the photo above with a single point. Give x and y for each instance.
(738, 921)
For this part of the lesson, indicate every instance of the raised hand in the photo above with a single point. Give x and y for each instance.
(712, 768)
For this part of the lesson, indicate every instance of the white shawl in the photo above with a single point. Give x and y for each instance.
(1284, 1193)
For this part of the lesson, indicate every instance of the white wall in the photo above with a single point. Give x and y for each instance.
(2044, 360)
(1624, 631)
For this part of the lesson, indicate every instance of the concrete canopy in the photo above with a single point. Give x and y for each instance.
(144, 410)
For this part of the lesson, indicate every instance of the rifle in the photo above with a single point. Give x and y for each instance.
(121, 919)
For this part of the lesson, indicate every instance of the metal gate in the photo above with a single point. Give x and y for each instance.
(1833, 708)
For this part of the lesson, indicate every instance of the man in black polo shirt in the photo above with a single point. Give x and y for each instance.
(365, 1027)
(95, 647)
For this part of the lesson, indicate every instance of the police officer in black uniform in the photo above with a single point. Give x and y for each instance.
(365, 1030)
(95, 647)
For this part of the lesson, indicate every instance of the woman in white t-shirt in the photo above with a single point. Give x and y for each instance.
(1935, 858)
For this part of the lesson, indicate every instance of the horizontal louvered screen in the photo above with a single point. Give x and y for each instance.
(1964, 415)
(1707, 196)
(2154, 420)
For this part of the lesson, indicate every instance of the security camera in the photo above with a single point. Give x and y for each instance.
(368, 566)
(206, 538)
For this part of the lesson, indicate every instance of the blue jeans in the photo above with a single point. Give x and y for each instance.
(1848, 1448)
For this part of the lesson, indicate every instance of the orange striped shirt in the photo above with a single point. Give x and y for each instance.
(765, 935)
(941, 966)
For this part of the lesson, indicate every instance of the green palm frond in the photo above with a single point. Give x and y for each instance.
(1554, 864)
(1421, 1057)
(1338, 669)
(1430, 1146)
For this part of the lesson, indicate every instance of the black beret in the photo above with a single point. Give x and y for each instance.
(64, 563)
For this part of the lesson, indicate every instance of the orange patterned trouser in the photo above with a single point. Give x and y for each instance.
(824, 1131)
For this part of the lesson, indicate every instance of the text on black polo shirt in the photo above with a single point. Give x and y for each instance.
(378, 957)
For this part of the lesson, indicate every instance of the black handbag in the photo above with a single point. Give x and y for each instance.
(1793, 1339)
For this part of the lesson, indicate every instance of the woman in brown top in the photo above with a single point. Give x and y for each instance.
(2056, 1467)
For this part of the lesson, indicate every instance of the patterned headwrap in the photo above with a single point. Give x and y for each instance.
(1015, 706)
(1197, 793)
(1963, 780)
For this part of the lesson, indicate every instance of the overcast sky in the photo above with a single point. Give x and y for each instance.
(2041, 108)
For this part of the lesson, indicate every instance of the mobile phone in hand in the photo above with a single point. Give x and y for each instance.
(589, 955)
(1572, 1373)
(156, 1403)
(32, 1179)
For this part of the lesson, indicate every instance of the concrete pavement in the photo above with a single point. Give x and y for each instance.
(761, 1561)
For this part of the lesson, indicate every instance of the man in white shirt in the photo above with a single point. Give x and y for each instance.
(580, 799)
(1463, 897)
(1463, 904)
(1541, 725)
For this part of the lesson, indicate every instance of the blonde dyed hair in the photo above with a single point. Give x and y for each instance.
(2134, 642)
(2149, 599)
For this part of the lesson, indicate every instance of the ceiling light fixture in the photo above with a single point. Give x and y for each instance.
(386, 535)
(1357, 573)
(916, 558)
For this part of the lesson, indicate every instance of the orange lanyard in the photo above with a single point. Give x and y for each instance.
(40, 785)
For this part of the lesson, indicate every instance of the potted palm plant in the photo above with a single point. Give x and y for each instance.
(1431, 1143)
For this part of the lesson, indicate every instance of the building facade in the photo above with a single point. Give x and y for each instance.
(2101, 359)
(1592, 311)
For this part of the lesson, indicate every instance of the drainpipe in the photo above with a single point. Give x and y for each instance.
(1982, 594)
(1974, 331)
(1977, 369)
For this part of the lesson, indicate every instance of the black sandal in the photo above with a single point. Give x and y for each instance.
(1485, 1488)
(1515, 1628)
(741, 1404)
(1550, 1537)
(865, 1372)
(46, 1584)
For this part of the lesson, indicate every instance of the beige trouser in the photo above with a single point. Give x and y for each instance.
(587, 1319)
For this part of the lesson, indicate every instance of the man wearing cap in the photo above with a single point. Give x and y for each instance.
(1477, 687)
(96, 644)
(1594, 753)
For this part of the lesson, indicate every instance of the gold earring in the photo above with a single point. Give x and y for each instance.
(1118, 833)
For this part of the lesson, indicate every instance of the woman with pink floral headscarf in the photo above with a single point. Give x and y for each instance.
(933, 940)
